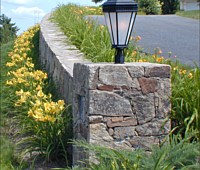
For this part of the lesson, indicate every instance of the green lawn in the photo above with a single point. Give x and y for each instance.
(189, 14)
(7, 159)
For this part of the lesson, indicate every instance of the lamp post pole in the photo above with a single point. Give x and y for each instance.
(119, 57)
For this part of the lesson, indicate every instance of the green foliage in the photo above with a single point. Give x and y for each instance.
(176, 154)
(8, 30)
(111, 159)
(49, 141)
(92, 10)
(6, 153)
(8, 159)
(6, 148)
(156, 6)
(90, 38)
(150, 7)
(170, 6)
(5, 92)
(186, 99)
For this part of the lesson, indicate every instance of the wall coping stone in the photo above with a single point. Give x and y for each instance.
(66, 53)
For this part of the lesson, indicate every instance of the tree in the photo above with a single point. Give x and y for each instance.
(169, 6)
(8, 30)
(96, 1)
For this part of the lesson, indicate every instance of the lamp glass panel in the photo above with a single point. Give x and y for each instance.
(131, 26)
(108, 23)
(112, 27)
(123, 27)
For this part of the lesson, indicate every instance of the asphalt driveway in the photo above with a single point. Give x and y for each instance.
(170, 33)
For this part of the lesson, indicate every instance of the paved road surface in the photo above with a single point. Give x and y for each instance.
(171, 33)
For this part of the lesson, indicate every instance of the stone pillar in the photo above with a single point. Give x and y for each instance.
(120, 105)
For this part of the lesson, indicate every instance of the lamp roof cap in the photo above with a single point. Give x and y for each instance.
(120, 5)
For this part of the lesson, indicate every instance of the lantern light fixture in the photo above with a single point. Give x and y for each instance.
(120, 16)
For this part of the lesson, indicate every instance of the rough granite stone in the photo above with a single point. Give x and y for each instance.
(108, 104)
(158, 70)
(93, 76)
(106, 87)
(117, 119)
(164, 95)
(144, 142)
(114, 75)
(148, 85)
(110, 131)
(132, 93)
(95, 119)
(122, 145)
(113, 119)
(80, 83)
(154, 128)
(124, 132)
(99, 135)
(144, 107)
(130, 122)
(129, 118)
(136, 71)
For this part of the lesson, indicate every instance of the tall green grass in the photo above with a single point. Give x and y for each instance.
(5, 92)
(8, 158)
(186, 100)
(6, 153)
(87, 36)
(179, 154)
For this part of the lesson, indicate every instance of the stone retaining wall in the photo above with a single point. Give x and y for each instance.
(58, 56)
(114, 105)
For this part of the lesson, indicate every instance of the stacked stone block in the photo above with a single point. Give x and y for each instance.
(121, 105)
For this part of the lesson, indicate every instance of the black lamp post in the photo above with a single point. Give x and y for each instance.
(120, 17)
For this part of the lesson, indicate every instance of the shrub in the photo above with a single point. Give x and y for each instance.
(150, 7)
